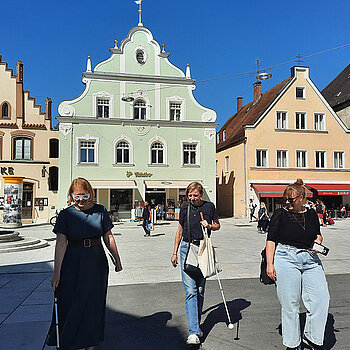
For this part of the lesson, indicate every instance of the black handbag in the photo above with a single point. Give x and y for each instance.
(264, 278)
(191, 265)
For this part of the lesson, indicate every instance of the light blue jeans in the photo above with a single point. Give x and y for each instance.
(299, 272)
(194, 294)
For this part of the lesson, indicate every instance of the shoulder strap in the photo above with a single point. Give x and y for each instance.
(188, 220)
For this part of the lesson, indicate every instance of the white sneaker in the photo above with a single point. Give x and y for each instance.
(200, 334)
(193, 340)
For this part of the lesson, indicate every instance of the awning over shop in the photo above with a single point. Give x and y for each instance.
(274, 190)
(332, 189)
(168, 184)
(121, 184)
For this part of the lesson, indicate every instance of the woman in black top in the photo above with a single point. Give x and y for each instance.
(194, 288)
(297, 269)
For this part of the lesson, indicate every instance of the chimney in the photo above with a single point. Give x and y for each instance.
(19, 91)
(257, 90)
(239, 103)
(48, 103)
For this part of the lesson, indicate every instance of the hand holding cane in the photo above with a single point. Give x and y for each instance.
(56, 322)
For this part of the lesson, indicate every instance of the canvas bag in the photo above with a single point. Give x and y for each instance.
(191, 265)
(207, 259)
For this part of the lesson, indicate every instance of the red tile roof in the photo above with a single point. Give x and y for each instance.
(248, 114)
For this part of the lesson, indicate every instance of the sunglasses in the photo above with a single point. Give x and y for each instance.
(79, 197)
(290, 199)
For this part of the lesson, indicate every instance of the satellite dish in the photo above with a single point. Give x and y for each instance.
(263, 76)
(127, 99)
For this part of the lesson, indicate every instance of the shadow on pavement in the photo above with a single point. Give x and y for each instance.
(217, 314)
(124, 331)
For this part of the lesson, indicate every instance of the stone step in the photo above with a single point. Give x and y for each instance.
(6, 236)
(26, 243)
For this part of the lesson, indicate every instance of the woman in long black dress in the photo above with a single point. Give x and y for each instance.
(80, 274)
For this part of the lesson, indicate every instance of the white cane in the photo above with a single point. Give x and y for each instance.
(56, 324)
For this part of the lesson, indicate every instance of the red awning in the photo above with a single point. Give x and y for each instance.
(274, 190)
(331, 189)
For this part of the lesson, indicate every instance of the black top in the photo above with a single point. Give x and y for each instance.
(288, 228)
(262, 214)
(146, 212)
(209, 214)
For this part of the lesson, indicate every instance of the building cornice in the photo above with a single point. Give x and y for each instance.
(132, 122)
(138, 78)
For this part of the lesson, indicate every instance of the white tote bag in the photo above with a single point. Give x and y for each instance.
(207, 259)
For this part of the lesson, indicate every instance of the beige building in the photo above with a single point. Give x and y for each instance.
(28, 149)
(288, 132)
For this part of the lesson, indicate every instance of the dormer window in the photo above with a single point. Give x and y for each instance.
(140, 56)
(300, 92)
(224, 135)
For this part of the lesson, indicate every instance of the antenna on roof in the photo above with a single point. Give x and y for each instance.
(299, 59)
(261, 75)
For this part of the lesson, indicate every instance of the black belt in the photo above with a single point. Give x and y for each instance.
(86, 243)
(194, 241)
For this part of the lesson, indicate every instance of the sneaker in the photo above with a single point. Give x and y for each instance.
(193, 340)
(310, 345)
(146, 235)
(200, 334)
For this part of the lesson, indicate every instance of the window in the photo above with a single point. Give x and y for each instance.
(320, 159)
(53, 178)
(281, 122)
(261, 158)
(157, 153)
(300, 92)
(338, 159)
(123, 152)
(140, 109)
(227, 164)
(217, 168)
(140, 56)
(320, 121)
(218, 137)
(175, 111)
(282, 160)
(87, 151)
(102, 108)
(190, 154)
(5, 111)
(223, 135)
(301, 159)
(22, 148)
(53, 148)
(300, 121)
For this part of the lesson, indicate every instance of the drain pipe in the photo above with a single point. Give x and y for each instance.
(245, 179)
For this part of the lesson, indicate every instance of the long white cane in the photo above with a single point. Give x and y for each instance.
(56, 324)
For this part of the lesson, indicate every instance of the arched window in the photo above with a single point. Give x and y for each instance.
(5, 110)
(53, 149)
(140, 109)
(157, 153)
(123, 152)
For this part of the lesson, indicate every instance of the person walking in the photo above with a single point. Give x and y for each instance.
(146, 216)
(321, 212)
(80, 274)
(263, 218)
(297, 269)
(252, 207)
(189, 230)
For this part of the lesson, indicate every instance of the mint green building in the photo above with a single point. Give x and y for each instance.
(136, 132)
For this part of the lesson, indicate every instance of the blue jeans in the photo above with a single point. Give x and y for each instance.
(145, 226)
(299, 272)
(194, 293)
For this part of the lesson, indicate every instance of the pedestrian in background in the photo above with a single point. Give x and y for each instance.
(252, 207)
(81, 269)
(146, 216)
(263, 218)
(189, 230)
(297, 269)
(321, 212)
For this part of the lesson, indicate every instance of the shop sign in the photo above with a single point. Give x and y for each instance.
(138, 174)
(7, 170)
(41, 202)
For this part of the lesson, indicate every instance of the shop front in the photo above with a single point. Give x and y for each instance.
(334, 196)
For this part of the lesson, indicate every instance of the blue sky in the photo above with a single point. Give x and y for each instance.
(217, 38)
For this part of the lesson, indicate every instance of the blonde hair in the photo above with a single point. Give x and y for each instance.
(194, 186)
(82, 183)
(297, 187)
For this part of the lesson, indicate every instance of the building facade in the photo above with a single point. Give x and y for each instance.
(137, 132)
(28, 153)
(288, 132)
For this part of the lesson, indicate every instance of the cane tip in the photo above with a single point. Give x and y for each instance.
(230, 326)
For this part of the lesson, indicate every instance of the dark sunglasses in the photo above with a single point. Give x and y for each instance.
(290, 199)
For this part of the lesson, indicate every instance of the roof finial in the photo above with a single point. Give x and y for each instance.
(115, 44)
(188, 71)
(163, 46)
(88, 64)
(139, 2)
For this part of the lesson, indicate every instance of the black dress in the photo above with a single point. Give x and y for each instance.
(83, 282)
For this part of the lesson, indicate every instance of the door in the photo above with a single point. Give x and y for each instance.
(27, 202)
